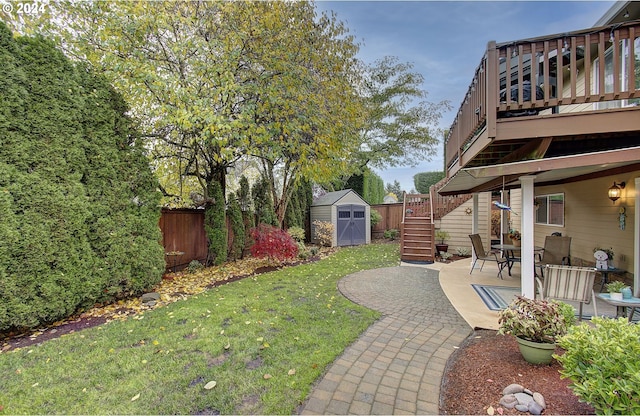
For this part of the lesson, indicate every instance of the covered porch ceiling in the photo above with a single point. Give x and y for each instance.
(549, 171)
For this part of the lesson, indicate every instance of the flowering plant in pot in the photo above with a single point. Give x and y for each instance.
(536, 324)
(515, 237)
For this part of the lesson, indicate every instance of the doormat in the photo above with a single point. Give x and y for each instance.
(496, 297)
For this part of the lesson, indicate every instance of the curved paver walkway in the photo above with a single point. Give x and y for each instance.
(397, 364)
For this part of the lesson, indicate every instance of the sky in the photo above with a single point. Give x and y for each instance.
(445, 41)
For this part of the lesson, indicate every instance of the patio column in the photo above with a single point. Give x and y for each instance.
(636, 241)
(474, 223)
(527, 222)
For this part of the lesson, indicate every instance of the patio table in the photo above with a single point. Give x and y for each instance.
(621, 305)
(509, 251)
(605, 275)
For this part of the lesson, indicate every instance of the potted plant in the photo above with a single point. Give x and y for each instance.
(536, 324)
(442, 236)
(515, 237)
(615, 289)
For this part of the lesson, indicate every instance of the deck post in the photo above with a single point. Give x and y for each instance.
(527, 222)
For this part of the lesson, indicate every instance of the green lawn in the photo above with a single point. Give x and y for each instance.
(263, 340)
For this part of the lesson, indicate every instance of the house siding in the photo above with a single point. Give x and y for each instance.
(592, 220)
(458, 223)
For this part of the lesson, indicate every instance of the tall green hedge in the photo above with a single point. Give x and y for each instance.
(368, 185)
(78, 203)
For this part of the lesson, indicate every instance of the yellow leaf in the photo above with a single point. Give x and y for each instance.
(136, 397)
(210, 385)
(267, 376)
(292, 371)
(490, 411)
(155, 342)
(260, 339)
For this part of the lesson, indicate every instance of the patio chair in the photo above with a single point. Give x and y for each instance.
(556, 251)
(481, 254)
(570, 283)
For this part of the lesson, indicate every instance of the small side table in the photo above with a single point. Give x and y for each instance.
(173, 257)
(621, 305)
(605, 275)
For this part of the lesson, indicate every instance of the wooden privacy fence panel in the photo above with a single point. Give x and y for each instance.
(391, 218)
(183, 231)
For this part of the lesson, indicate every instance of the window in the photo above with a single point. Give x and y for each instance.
(550, 209)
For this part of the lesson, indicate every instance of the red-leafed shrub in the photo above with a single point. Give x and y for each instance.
(272, 242)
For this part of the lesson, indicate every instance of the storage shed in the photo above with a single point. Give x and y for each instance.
(349, 214)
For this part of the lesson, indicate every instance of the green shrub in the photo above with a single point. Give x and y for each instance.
(78, 202)
(375, 217)
(215, 224)
(297, 233)
(237, 227)
(391, 234)
(602, 363)
(194, 266)
(303, 252)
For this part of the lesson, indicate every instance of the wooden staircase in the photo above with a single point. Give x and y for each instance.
(417, 230)
(416, 240)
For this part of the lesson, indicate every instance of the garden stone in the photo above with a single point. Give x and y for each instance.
(523, 398)
(509, 401)
(148, 297)
(522, 408)
(150, 304)
(529, 392)
(539, 398)
(534, 408)
(513, 389)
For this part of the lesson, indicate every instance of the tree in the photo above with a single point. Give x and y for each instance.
(399, 126)
(78, 203)
(394, 188)
(423, 181)
(215, 81)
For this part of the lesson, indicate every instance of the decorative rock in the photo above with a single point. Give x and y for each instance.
(509, 401)
(148, 297)
(150, 304)
(539, 398)
(523, 398)
(513, 389)
(534, 408)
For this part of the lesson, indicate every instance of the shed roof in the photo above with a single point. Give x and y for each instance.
(331, 198)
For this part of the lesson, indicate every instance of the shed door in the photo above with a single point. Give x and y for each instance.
(351, 225)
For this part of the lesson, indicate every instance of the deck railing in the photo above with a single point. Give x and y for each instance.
(592, 70)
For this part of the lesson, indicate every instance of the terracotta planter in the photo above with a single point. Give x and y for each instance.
(536, 352)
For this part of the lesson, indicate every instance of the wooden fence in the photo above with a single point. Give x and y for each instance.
(391, 218)
(183, 237)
